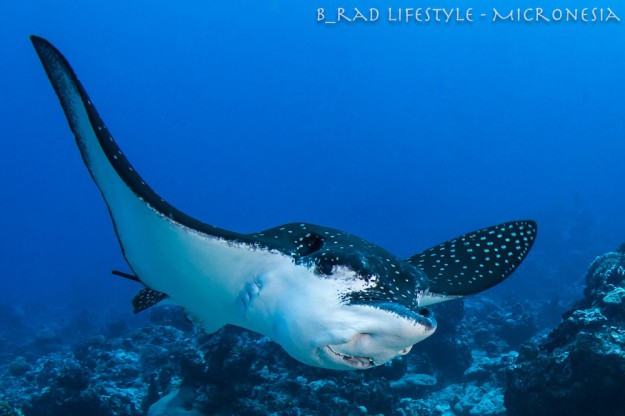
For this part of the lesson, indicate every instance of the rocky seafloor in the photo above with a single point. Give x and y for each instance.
(578, 368)
(487, 358)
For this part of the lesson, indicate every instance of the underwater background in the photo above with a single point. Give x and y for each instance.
(251, 114)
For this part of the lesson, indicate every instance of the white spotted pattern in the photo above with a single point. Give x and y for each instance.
(479, 264)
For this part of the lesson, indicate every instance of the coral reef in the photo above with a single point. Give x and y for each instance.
(7, 410)
(579, 368)
(168, 368)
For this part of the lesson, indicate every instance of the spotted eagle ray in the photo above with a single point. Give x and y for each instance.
(329, 298)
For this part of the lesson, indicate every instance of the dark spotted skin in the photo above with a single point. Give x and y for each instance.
(323, 248)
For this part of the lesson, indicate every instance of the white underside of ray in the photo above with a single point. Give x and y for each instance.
(220, 282)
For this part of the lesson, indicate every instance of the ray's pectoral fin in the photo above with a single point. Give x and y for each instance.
(475, 261)
(144, 223)
(146, 298)
(117, 180)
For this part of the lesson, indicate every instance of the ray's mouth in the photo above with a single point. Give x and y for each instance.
(421, 316)
(351, 361)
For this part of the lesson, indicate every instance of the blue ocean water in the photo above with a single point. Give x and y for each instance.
(251, 114)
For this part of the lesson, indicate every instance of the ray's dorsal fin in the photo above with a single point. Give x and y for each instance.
(476, 261)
